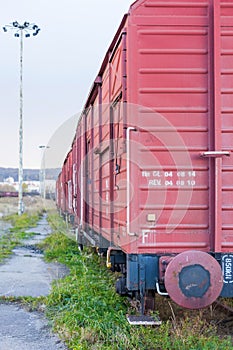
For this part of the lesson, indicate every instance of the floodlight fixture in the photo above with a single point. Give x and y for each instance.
(22, 29)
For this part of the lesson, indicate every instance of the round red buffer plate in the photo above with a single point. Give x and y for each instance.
(193, 279)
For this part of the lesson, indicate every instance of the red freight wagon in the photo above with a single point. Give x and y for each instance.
(64, 186)
(154, 152)
(60, 195)
(58, 192)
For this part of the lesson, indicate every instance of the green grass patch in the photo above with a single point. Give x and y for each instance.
(88, 314)
(23, 221)
(13, 237)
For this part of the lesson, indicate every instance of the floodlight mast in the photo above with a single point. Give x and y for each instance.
(21, 30)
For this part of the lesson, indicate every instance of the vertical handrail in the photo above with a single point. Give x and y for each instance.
(128, 130)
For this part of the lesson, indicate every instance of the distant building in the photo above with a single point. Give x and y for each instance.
(32, 186)
(9, 180)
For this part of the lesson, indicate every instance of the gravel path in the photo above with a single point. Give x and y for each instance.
(26, 274)
(22, 330)
(4, 227)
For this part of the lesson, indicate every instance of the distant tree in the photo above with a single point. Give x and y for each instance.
(25, 187)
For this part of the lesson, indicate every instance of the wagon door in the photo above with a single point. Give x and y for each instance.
(223, 127)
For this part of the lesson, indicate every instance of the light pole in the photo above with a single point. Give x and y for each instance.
(21, 30)
(43, 189)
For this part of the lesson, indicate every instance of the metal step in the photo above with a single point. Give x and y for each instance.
(144, 320)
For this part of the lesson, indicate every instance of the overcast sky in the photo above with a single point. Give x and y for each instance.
(60, 65)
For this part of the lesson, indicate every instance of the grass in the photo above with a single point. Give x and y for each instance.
(17, 233)
(88, 314)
